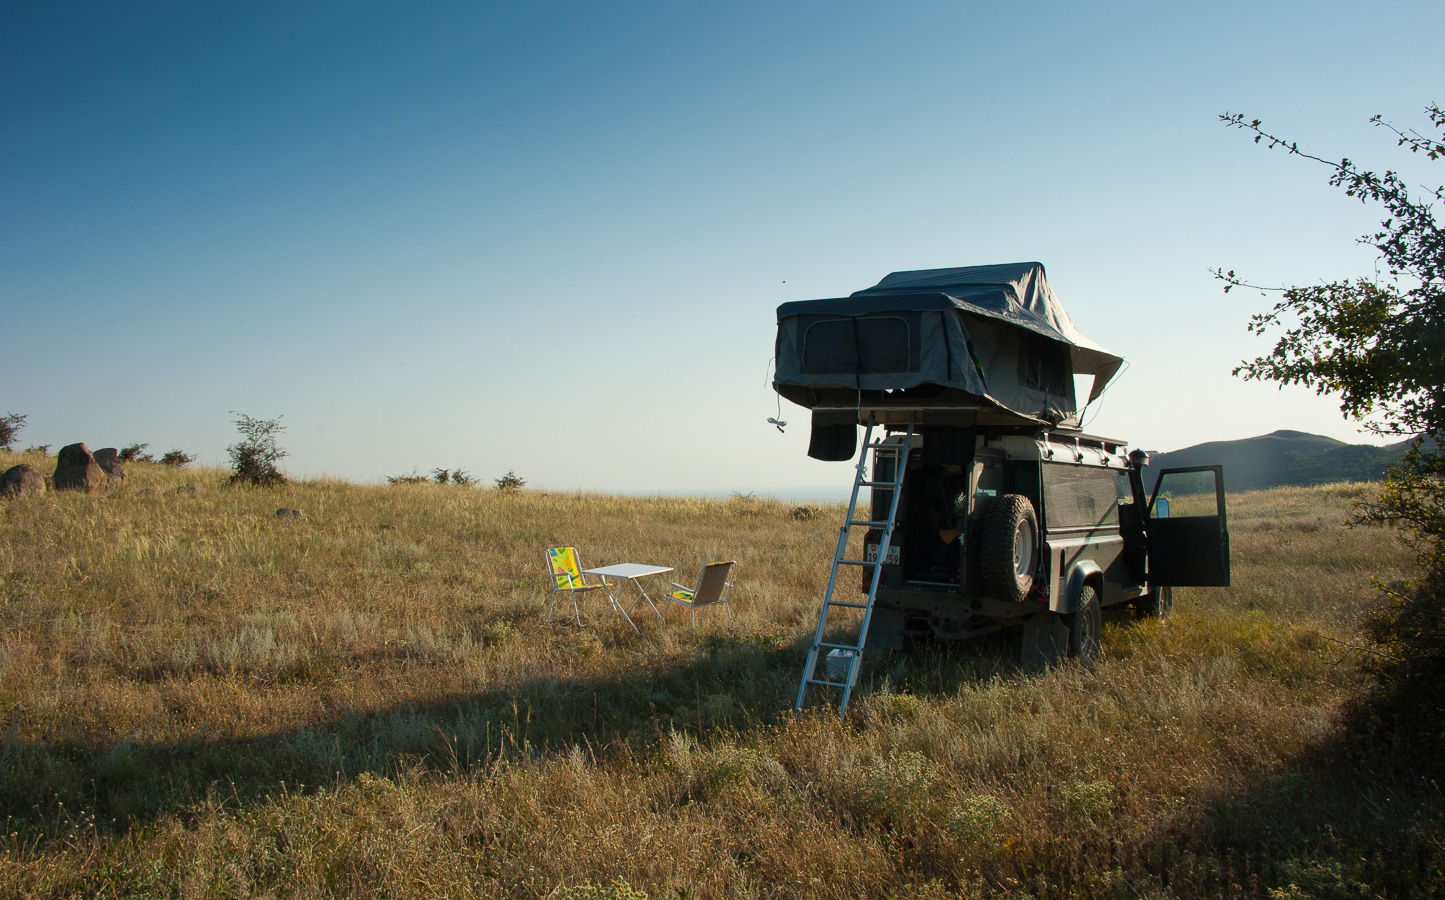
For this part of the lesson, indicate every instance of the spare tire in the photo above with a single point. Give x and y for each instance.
(1009, 548)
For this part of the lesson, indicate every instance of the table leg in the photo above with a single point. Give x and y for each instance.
(643, 597)
(618, 606)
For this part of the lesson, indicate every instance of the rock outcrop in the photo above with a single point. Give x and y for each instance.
(76, 470)
(108, 458)
(21, 480)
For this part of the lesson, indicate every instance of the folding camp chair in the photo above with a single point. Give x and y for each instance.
(712, 588)
(566, 575)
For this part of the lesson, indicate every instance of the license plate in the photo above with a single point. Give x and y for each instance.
(870, 554)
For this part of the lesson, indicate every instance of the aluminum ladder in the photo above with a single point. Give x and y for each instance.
(853, 653)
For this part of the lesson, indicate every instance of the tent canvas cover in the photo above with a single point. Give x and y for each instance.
(988, 336)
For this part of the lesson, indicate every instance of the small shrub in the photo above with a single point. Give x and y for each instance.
(136, 453)
(412, 477)
(900, 706)
(897, 788)
(42, 449)
(10, 425)
(498, 633)
(510, 482)
(1090, 800)
(254, 458)
(616, 889)
(177, 458)
(805, 513)
(977, 817)
(1310, 879)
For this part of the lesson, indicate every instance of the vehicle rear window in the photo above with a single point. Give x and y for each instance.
(1080, 497)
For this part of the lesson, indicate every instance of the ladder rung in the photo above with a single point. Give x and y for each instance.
(847, 603)
(825, 683)
(853, 522)
(854, 647)
(856, 562)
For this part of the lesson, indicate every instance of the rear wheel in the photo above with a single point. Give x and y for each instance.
(1086, 627)
(1008, 549)
(1157, 604)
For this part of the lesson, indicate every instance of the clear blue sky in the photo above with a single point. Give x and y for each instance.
(551, 237)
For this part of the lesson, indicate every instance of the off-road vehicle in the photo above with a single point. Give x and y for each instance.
(997, 511)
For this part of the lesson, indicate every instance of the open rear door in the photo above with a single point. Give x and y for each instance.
(1188, 534)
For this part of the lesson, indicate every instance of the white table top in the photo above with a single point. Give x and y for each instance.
(628, 570)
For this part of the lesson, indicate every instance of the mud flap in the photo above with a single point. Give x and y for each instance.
(1045, 640)
(885, 628)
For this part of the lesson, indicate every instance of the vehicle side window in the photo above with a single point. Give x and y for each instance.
(1080, 497)
(1185, 494)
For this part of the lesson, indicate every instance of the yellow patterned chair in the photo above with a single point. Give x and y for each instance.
(566, 573)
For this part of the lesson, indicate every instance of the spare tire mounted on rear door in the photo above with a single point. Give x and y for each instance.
(1008, 549)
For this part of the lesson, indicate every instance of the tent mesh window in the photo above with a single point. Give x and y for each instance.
(1044, 365)
(860, 345)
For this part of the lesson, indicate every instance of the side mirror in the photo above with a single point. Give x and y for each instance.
(1161, 508)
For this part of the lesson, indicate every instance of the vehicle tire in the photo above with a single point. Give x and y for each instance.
(1086, 627)
(1157, 604)
(1009, 548)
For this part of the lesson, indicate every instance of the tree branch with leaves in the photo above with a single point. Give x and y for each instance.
(1379, 345)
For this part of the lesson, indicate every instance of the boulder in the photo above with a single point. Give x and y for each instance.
(108, 458)
(287, 512)
(76, 470)
(21, 480)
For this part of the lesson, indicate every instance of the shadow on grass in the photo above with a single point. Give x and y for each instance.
(1361, 814)
(732, 684)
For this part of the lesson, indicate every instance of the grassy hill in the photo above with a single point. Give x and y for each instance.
(1283, 458)
(201, 699)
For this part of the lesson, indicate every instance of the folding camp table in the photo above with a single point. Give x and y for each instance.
(628, 573)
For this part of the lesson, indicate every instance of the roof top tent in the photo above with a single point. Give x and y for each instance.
(977, 345)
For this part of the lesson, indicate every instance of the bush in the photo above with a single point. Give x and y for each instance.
(10, 425)
(254, 457)
(177, 458)
(42, 449)
(459, 477)
(136, 453)
(510, 482)
(453, 476)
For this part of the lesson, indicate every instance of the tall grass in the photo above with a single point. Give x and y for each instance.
(199, 698)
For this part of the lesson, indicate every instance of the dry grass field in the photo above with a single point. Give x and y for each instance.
(201, 699)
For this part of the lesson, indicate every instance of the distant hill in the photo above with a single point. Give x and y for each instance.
(1282, 458)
